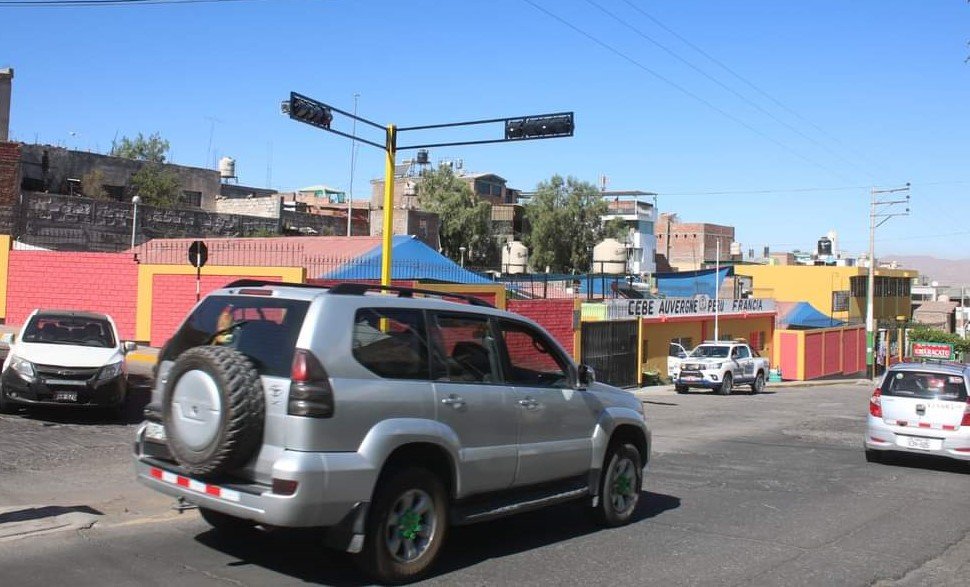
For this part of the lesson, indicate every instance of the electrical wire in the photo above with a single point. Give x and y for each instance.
(683, 90)
(752, 85)
(89, 3)
(726, 87)
(914, 185)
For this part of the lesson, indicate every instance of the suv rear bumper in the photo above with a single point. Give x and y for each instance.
(321, 497)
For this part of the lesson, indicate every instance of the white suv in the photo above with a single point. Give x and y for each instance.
(920, 408)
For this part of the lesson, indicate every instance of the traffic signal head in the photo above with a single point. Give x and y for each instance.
(539, 127)
(309, 111)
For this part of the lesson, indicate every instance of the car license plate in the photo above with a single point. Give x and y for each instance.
(65, 396)
(691, 378)
(155, 431)
(920, 443)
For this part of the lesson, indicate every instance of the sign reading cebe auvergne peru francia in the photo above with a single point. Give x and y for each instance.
(679, 307)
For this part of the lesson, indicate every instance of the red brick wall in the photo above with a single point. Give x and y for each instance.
(556, 316)
(96, 282)
(9, 173)
(174, 295)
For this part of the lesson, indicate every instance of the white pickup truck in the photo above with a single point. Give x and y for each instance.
(720, 366)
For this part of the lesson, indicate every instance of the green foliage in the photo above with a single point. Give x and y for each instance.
(565, 218)
(466, 221)
(92, 185)
(924, 333)
(153, 148)
(156, 186)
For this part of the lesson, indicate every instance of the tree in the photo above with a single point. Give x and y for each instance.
(465, 219)
(155, 185)
(924, 333)
(153, 149)
(565, 215)
(92, 185)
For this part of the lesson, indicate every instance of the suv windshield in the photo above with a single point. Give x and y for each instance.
(925, 385)
(73, 330)
(710, 352)
(264, 329)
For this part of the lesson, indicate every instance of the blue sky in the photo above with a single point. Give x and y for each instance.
(862, 93)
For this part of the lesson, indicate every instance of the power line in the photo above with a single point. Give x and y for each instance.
(88, 3)
(681, 88)
(726, 87)
(751, 84)
(801, 190)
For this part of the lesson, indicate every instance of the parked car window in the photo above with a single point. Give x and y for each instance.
(391, 342)
(73, 330)
(925, 385)
(464, 349)
(533, 360)
(264, 329)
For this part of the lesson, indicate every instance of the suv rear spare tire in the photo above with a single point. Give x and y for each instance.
(213, 410)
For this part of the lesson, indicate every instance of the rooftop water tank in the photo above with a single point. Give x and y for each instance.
(609, 257)
(515, 257)
(227, 168)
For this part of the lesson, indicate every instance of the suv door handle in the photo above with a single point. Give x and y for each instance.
(454, 401)
(528, 403)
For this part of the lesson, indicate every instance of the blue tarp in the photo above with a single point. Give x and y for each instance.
(410, 259)
(687, 284)
(804, 315)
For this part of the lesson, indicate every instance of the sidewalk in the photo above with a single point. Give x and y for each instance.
(668, 389)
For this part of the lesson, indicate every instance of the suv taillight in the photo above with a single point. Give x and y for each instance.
(310, 391)
(966, 414)
(875, 404)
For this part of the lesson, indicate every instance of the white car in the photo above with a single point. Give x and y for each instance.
(920, 408)
(676, 354)
(65, 358)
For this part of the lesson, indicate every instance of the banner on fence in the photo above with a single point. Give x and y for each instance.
(682, 307)
(932, 350)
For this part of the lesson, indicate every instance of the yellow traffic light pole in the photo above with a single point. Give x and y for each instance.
(517, 128)
(387, 236)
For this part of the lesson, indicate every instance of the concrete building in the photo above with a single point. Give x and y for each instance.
(637, 212)
(688, 246)
(838, 292)
(45, 168)
(408, 175)
(938, 315)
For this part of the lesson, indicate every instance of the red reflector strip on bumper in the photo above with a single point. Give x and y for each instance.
(193, 485)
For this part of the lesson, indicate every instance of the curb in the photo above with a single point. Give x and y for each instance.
(26, 521)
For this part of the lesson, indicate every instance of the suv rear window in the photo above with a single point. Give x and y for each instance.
(925, 385)
(263, 328)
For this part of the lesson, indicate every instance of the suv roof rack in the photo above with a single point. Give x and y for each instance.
(359, 289)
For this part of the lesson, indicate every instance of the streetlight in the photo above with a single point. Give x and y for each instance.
(877, 209)
(462, 250)
(518, 128)
(134, 218)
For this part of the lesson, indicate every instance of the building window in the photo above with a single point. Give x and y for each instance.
(114, 192)
(190, 198)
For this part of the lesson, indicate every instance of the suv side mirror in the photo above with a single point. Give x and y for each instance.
(586, 375)
(8, 338)
(128, 346)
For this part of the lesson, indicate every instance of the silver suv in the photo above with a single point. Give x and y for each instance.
(384, 418)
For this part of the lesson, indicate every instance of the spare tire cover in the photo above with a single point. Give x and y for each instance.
(213, 410)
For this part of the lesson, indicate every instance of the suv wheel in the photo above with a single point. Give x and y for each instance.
(620, 485)
(759, 384)
(726, 385)
(406, 526)
(224, 522)
(213, 410)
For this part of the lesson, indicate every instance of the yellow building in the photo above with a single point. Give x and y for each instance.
(839, 292)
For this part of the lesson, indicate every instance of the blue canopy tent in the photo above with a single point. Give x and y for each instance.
(411, 259)
(687, 284)
(803, 316)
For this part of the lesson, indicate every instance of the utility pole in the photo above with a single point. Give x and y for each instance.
(880, 210)
(717, 283)
(353, 165)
